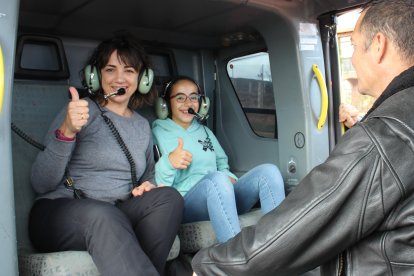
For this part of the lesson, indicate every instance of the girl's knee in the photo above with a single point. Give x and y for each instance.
(268, 167)
(272, 175)
(269, 170)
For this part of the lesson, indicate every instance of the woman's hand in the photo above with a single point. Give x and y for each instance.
(77, 115)
(141, 189)
(180, 158)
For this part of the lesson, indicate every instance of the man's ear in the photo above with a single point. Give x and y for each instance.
(379, 47)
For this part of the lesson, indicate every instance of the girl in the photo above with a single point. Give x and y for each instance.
(195, 164)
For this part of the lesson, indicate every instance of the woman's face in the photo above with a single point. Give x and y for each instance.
(117, 75)
(184, 94)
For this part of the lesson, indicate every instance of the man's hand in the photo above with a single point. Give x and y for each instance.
(180, 158)
(348, 115)
(141, 189)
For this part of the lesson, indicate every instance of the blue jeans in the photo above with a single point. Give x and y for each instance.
(214, 197)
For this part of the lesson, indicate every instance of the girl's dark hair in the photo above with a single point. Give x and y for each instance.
(169, 87)
(130, 52)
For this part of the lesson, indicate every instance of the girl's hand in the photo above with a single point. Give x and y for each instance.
(180, 158)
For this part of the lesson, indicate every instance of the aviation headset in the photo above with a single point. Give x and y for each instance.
(91, 74)
(162, 104)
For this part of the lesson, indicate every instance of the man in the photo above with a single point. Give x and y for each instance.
(353, 214)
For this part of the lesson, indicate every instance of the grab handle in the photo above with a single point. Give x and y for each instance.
(1, 79)
(324, 96)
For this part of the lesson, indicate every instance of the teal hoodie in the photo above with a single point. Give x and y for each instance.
(205, 159)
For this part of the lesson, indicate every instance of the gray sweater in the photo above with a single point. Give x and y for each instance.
(95, 160)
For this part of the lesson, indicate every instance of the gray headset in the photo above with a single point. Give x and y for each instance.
(162, 104)
(93, 82)
(91, 75)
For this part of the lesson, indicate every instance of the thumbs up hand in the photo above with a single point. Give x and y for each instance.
(76, 116)
(180, 158)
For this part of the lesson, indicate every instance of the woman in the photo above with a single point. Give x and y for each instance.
(123, 220)
(195, 164)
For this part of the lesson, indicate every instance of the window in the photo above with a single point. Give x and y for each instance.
(162, 64)
(40, 57)
(252, 81)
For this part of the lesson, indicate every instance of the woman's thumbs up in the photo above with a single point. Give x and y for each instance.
(76, 116)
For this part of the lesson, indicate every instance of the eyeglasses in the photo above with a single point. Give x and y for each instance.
(181, 98)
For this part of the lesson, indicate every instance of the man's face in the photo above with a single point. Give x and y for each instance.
(362, 60)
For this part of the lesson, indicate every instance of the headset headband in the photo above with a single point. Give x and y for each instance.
(172, 82)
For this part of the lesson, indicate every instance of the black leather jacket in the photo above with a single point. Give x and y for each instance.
(353, 214)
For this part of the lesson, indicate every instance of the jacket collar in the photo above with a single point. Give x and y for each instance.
(399, 83)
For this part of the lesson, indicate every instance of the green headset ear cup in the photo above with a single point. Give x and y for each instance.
(92, 78)
(161, 108)
(204, 106)
(145, 81)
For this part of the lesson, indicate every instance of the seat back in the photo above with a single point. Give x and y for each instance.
(34, 106)
(40, 90)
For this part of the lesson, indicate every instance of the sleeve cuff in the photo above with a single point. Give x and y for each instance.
(60, 136)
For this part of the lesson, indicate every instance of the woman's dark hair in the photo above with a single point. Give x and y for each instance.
(130, 52)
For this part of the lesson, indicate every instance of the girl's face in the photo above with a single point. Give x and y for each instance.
(117, 75)
(184, 94)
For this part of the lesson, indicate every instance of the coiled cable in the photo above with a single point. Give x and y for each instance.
(122, 144)
(123, 147)
(27, 138)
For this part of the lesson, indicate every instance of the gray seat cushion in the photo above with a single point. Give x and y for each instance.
(197, 235)
(57, 263)
(67, 262)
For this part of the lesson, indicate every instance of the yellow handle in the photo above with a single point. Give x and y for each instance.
(324, 96)
(1, 79)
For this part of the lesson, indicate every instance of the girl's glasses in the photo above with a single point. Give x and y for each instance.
(181, 98)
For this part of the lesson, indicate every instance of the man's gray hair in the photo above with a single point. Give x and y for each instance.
(393, 18)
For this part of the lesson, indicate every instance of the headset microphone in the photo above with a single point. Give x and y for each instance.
(120, 91)
(197, 115)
